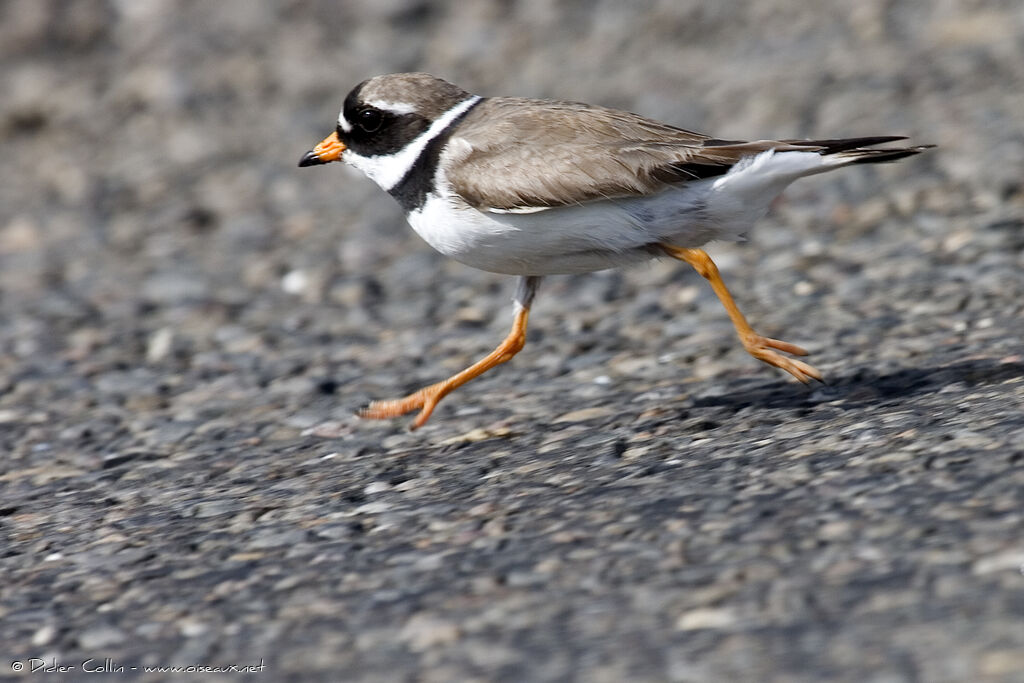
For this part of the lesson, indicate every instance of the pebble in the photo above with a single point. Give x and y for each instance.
(215, 508)
(425, 631)
(377, 487)
(192, 629)
(100, 637)
(1009, 560)
(44, 635)
(584, 415)
(275, 538)
(295, 282)
(160, 344)
(705, 618)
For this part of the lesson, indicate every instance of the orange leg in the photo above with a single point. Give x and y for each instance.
(427, 398)
(757, 346)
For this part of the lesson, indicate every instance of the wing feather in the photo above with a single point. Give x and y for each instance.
(519, 155)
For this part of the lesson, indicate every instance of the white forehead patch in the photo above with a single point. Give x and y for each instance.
(393, 107)
(343, 122)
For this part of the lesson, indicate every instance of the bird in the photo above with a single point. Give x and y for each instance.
(536, 187)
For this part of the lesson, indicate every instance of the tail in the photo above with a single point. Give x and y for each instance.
(845, 151)
(743, 195)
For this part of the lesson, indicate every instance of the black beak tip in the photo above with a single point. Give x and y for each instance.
(310, 158)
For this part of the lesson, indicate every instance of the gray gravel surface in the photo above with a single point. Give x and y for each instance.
(187, 322)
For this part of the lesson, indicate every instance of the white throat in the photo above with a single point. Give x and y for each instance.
(388, 170)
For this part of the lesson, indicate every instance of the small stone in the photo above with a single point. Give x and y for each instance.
(479, 434)
(471, 315)
(999, 663)
(425, 631)
(374, 508)
(705, 618)
(19, 235)
(429, 563)
(276, 538)
(634, 452)
(377, 487)
(834, 530)
(160, 344)
(246, 557)
(412, 484)
(295, 282)
(332, 429)
(584, 415)
(101, 637)
(999, 562)
(173, 288)
(172, 432)
(215, 508)
(44, 636)
(191, 628)
(687, 295)
(803, 288)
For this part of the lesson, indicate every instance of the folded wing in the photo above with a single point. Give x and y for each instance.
(530, 155)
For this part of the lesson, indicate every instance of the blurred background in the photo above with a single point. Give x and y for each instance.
(184, 313)
(150, 146)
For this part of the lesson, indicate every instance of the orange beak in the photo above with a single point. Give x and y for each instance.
(329, 149)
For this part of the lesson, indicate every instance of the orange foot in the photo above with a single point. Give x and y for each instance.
(761, 348)
(427, 398)
(424, 400)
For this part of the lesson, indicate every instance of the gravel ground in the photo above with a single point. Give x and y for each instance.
(189, 321)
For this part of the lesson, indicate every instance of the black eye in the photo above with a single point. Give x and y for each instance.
(370, 120)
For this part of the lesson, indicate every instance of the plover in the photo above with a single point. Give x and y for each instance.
(532, 187)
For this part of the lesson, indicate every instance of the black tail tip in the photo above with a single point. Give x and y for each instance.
(881, 156)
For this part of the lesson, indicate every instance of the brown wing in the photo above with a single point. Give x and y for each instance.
(529, 154)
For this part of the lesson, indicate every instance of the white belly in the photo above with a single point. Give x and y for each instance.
(563, 240)
(614, 232)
